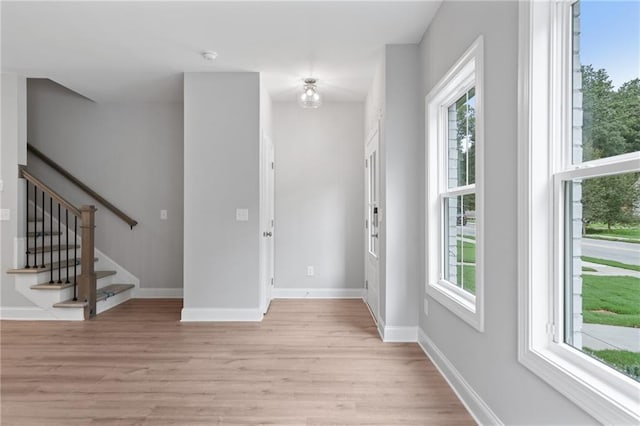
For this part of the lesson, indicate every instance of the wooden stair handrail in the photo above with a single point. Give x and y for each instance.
(131, 222)
(59, 198)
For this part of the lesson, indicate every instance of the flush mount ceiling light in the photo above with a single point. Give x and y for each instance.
(310, 97)
(209, 55)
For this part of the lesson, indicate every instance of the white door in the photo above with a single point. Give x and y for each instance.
(267, 209)
(372, 221)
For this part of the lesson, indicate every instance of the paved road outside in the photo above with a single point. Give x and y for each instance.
(612, 250)
(599, 336)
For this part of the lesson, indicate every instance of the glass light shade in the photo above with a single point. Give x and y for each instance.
(310, 97)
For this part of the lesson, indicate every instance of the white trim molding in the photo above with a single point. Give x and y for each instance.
(157, 293)
(398, 334)
(318, 293)
(25, 314)
(544, 49)
(476, 406)
(220, 314)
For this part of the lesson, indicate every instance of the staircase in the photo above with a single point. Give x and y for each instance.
(63, 274)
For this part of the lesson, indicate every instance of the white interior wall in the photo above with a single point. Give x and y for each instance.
(131, 154)
(488, 361)
(221, 174)
(13, 91)
(319, 196)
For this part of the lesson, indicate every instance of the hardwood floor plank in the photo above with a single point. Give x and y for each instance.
(310, 362)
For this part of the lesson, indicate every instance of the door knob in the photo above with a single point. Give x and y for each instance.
(267, 234)
(374, 235)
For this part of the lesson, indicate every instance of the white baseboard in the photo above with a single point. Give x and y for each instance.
(220, 314)
(25, 314)
(157, 293)
(479, 409)
(395, 334)
(318, 293)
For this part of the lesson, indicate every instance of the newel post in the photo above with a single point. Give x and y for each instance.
(87, 279)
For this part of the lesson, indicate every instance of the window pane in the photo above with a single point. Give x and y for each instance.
(460, 241)
(461, 140)
(606, 84)
(602, 269)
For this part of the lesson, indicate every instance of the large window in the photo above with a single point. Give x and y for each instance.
(454, 188)
(580, 202)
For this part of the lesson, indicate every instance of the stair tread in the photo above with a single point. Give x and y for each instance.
(40, 233)
(70, 304)
(111, 290)
(101, 294)
(103, 274)
(54, 286)
(55, 247)
(46, 267)
(61, 286)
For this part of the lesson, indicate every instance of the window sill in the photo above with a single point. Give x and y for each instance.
(458, 301)
(586, 382)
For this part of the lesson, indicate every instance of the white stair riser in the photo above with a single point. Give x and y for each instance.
(57, 255)
(43, 298)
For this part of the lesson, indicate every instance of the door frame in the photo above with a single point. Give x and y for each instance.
(266, 222)
(372, 144)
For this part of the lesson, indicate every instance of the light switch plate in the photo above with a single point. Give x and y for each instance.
(163, 214)
(5, 214)
(1, 185)
(242, 215)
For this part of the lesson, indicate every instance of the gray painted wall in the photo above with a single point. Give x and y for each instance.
(129, 153)
(394, 99)
(488, 361)
(402, 160)
(319, 195)
(221, 174)
(12, 152)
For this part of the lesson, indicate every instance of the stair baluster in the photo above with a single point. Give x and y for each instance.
(27, 266)
(59, 247)
(35, 227)
(66, 222)
(42, 265)
(50, 238)
(75, 257)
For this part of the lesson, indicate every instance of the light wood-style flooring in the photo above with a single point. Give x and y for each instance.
(309, 362)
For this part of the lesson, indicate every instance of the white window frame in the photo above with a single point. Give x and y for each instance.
(466, 73)
(544, 128)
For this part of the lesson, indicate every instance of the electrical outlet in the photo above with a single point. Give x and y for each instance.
(310, 271)
(5, 214)
(163, 214)
(426, 306)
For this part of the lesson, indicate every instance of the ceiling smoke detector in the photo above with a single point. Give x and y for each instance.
(209, 55)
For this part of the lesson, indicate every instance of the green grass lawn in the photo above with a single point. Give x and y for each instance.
(625, 361)
(612, 300)
(616, 232)
(468, 274)
(466, 251)
(611, 263)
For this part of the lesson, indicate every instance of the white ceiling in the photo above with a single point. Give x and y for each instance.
(137, 51)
